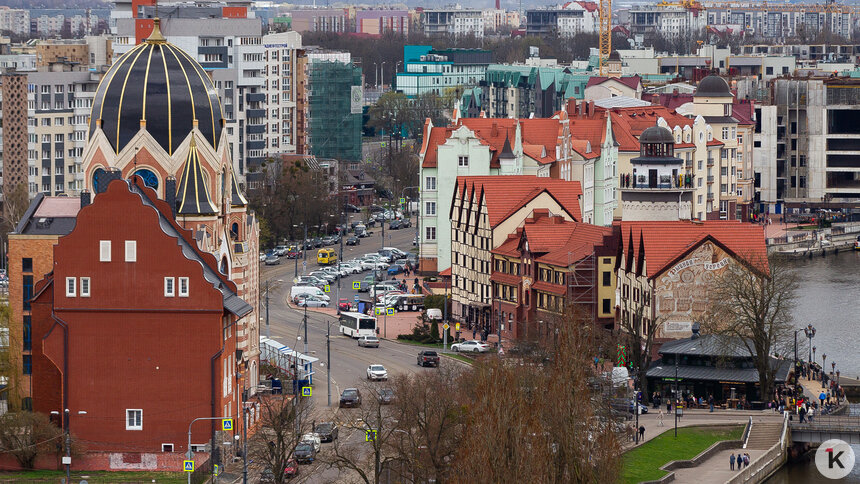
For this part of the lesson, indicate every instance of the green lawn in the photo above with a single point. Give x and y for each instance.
(95, 477)
(643, 463)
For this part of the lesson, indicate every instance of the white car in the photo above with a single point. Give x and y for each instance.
(377, 372)
(351, 267)
(473, 346)
(374, 264)
(313, 439)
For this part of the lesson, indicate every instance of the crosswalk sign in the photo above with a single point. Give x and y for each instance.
(226, 424)
(327, 288)
(402, 201)
(356, 285)
(306, 391)
(188, 465)
(391, 311)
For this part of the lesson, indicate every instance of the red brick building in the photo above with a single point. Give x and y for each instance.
(550, 265)
(137, 327)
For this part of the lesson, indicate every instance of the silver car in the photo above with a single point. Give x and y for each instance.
(312, 302)
(368, 341)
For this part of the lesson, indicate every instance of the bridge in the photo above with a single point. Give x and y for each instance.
(823, 428)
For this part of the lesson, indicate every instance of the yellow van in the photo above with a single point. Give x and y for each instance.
(326, 257)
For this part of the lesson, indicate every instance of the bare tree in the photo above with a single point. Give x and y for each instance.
(284, 421)
(637, 332)
(753, 304)
(26, 435)
(375, 452)
(432, 416)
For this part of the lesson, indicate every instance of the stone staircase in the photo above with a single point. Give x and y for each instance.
(764, 434)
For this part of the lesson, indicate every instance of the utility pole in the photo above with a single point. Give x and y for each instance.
(245, 428)
(306, 328)
(268, 331)
(675, 396)
(328, 361)
(444, 332)
(68, 458)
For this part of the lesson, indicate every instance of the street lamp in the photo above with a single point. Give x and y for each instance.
(67, 460)
(824, 362)
(832, 367)
(382, 74)
(813, 353)
(809, 330)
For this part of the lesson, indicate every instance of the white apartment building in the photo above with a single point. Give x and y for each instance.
(453, 21)
(282, 79)
(15, 20)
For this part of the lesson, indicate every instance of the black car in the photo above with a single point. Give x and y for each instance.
(394, 225)
(318, 242)
(350, 397)
(327, 431)
(370, 223)
(405, 223)
(351, 208)
(353, 240)
(309, 244)
(305, 453)
(385, 396)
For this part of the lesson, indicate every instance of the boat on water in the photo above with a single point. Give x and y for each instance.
(857, 243)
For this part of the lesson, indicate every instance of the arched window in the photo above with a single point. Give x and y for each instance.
(150, 179)
(96, 173)
(234, 230)
(223, 267)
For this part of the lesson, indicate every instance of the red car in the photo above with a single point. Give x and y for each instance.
(291, 469)
(343, 304)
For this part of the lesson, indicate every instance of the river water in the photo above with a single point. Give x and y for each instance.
(828, 298)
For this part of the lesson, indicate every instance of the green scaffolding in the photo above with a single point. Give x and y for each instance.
(333, 131)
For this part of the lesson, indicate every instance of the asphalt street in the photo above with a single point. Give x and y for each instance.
(348, 361)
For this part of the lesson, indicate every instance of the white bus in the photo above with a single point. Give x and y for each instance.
(357, 324)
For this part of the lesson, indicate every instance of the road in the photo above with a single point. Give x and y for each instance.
(348, 361)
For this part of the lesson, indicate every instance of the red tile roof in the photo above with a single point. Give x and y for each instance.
(509, 247)
(446, 272)
(633, 82)
(554, 240)
(590, 6)
(430, 146)
(589, 129)
(743, 110)
(505, 194)
(493, 132)
(585, 149)
(673, 100)
(629, 123)
(505, 278)
(666, 241)
(715, 142)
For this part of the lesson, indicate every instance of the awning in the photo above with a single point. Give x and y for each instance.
(716, 374)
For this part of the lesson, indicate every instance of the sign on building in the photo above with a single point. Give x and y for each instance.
(356, 100)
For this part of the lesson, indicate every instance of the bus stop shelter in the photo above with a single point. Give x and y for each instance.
(285, 358)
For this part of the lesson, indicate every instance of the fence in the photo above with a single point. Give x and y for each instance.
(765, 465)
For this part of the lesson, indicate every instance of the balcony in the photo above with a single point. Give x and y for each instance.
(710, 179)
(710, 196)
(710, 161)
(253, 97)
(688, 165)
(255, 113)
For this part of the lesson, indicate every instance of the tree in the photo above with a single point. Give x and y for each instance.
(391, 114)
(432, 416)
(284, 421)
(538, 418)
(376, 452)
(753, 305)
(27, 435)
(16, 201)
(9, 367)
(637, 334)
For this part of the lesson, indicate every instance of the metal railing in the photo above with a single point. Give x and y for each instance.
(830, 423)
(767, 462)
(747, 432)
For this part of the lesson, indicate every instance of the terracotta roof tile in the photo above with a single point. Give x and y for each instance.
(437, 136)
(506, 278)
(665, 241)
(715, 142)
(549, 287)
(492, 131)
(505, 194)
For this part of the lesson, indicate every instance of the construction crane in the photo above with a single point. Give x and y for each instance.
(605, 20)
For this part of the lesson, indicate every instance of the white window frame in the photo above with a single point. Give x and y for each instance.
(430, 183)
(428, 206)
(87, 286)
(71, 287)
(169, 287)
(186, 282)
(139, 423)
(104, 251)
(463, 161)
(172, 447)
(427, 233)
(131, 251)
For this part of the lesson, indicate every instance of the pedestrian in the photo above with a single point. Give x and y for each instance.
(641, 433)
(740, 460)
(732, 461)
(801, 412)
(746, 459)
(711, 402)
(810, 414)
(660, 419)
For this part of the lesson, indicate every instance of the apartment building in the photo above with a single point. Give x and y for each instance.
(378, 22)
(453, 21)
(563, 20)
(428, 70)
(781, 21)
(335, 101)
(93, 51)
(665, 20)
(284, 76)
(15, 20)
(320, 20)
(520, 91)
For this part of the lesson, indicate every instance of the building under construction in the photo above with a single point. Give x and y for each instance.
(335, 102)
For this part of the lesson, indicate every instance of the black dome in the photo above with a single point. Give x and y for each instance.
(713, 86)
(656, 134)
(159, 82)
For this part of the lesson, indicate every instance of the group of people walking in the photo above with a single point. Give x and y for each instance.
(742, 460)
